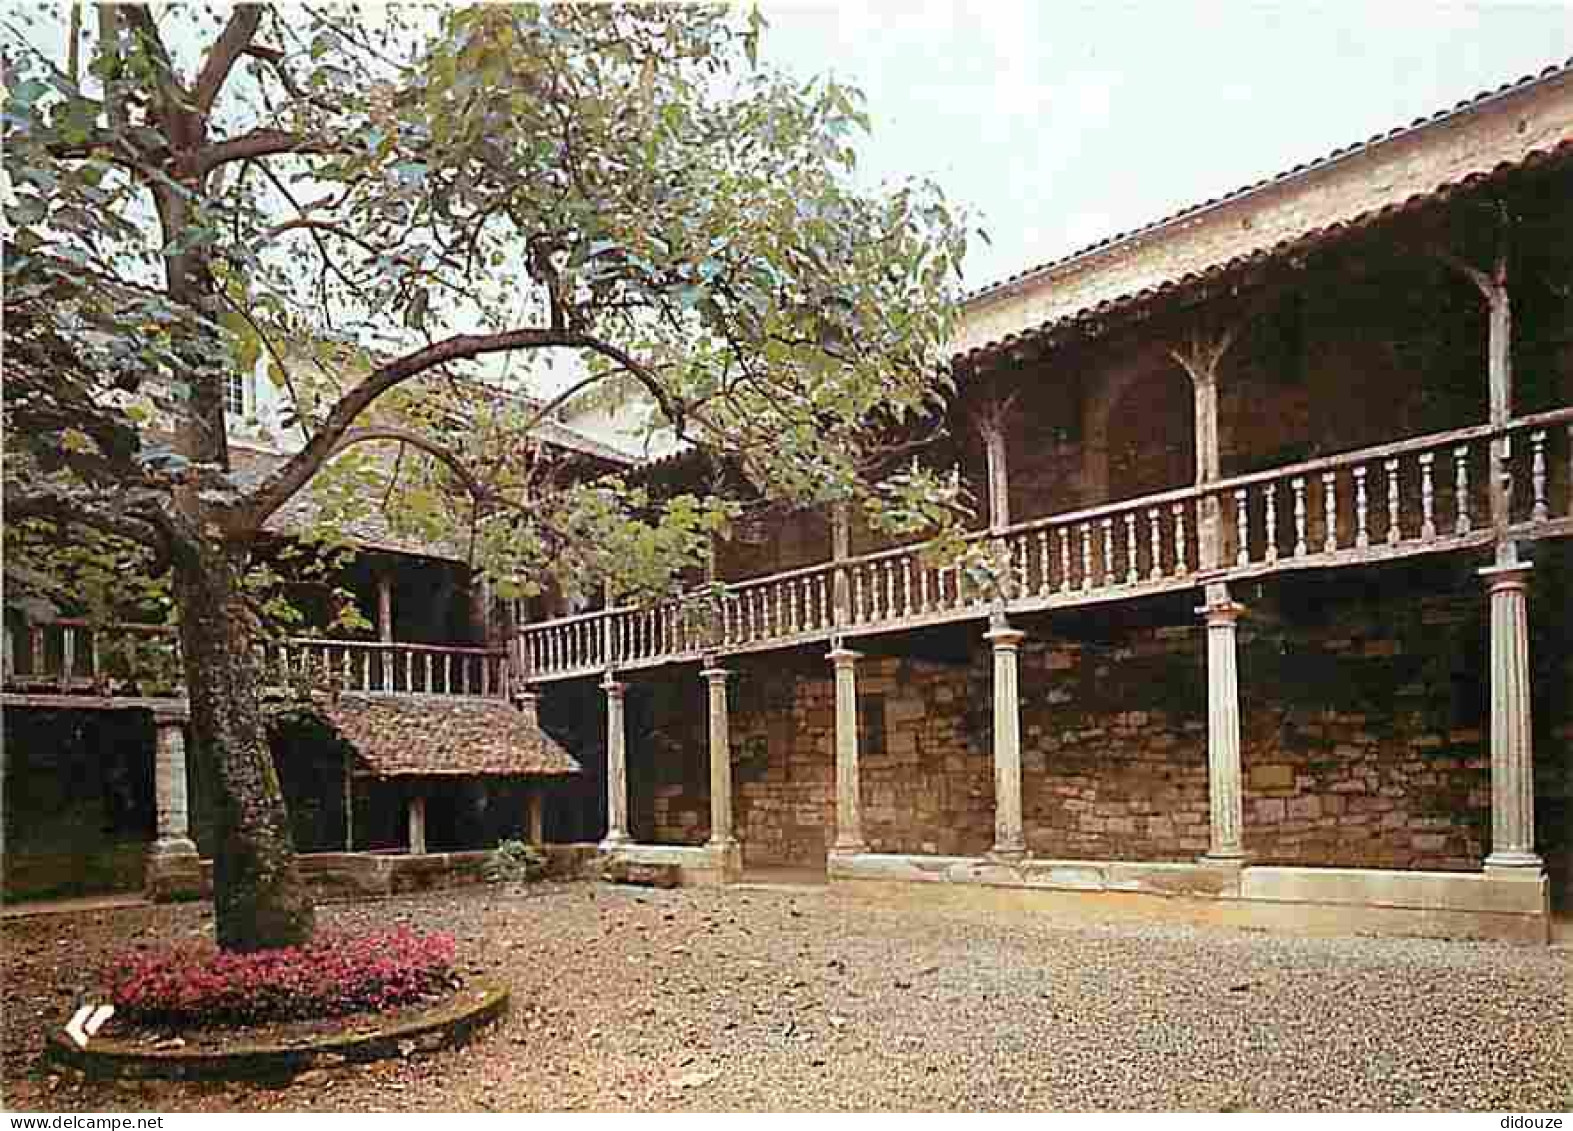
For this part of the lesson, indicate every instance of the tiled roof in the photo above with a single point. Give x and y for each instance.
(443, 736)
(1100, 287)
(368, 531)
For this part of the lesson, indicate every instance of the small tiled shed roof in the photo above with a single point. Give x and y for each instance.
(444, 736)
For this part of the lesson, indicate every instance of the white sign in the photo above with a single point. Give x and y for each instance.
(87, 1021)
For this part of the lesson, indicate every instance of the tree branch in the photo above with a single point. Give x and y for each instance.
(230, 45)
(262, 142)
(477, 490)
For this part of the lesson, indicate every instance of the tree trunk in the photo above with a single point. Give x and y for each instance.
(259, 898)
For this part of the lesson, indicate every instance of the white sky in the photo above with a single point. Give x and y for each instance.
(1062, 123)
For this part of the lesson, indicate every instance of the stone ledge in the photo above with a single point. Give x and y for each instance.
(1304, 900)
(697, 865)
(1418, 891)
(452, 1023)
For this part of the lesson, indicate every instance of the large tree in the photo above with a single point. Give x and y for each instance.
(388, 213)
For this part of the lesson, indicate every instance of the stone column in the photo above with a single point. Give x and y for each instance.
(417, 818)
(535, 816)
(173, 869)
(849, 805)
(1512, 742)
(616, 765)
(723, 844)
(1009, 841)
(1223, 728)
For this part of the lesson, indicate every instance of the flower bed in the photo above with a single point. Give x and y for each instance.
(198, 985)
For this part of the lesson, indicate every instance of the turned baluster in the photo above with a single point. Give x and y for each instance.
(1108, 552)
(1461, 489)
(1065, 560)
(1157, 543)
(1043, 562)
(1242, 553)
(1086, 556)
(890, 590)
(1270, 497)
(1330, 511)
(1362, 534)
(1132, 576)
(1297, 485)
(426, 683)
(1427, 496)
(1181, 564)
(906, 586)
(1395, 530)
(387, 670)
(1542, 508)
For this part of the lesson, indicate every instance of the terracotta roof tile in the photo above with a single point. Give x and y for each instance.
(1091, 283)
(444, 736)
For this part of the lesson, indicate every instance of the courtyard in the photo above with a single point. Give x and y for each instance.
(794, 997)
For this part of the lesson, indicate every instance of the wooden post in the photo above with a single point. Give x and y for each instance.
(385, 608)
(535, 815)
(349, 801)
(1200, 358)
(1492, 286)
(840, 551)
(417, 819)
(991, 426)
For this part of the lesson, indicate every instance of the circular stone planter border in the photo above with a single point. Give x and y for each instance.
(452, 1023)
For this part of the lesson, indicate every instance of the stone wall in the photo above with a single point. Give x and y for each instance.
(1364, 737)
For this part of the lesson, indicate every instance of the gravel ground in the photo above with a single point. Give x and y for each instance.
(693, 999)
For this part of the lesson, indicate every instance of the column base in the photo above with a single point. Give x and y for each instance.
(1231, 860)
(1007, 854)
(173, 870)
(1515, 865)
(728, 856)
(614, 840)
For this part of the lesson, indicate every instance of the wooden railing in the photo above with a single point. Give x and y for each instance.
(371, 667)
(1425, 495)
(72, 656)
